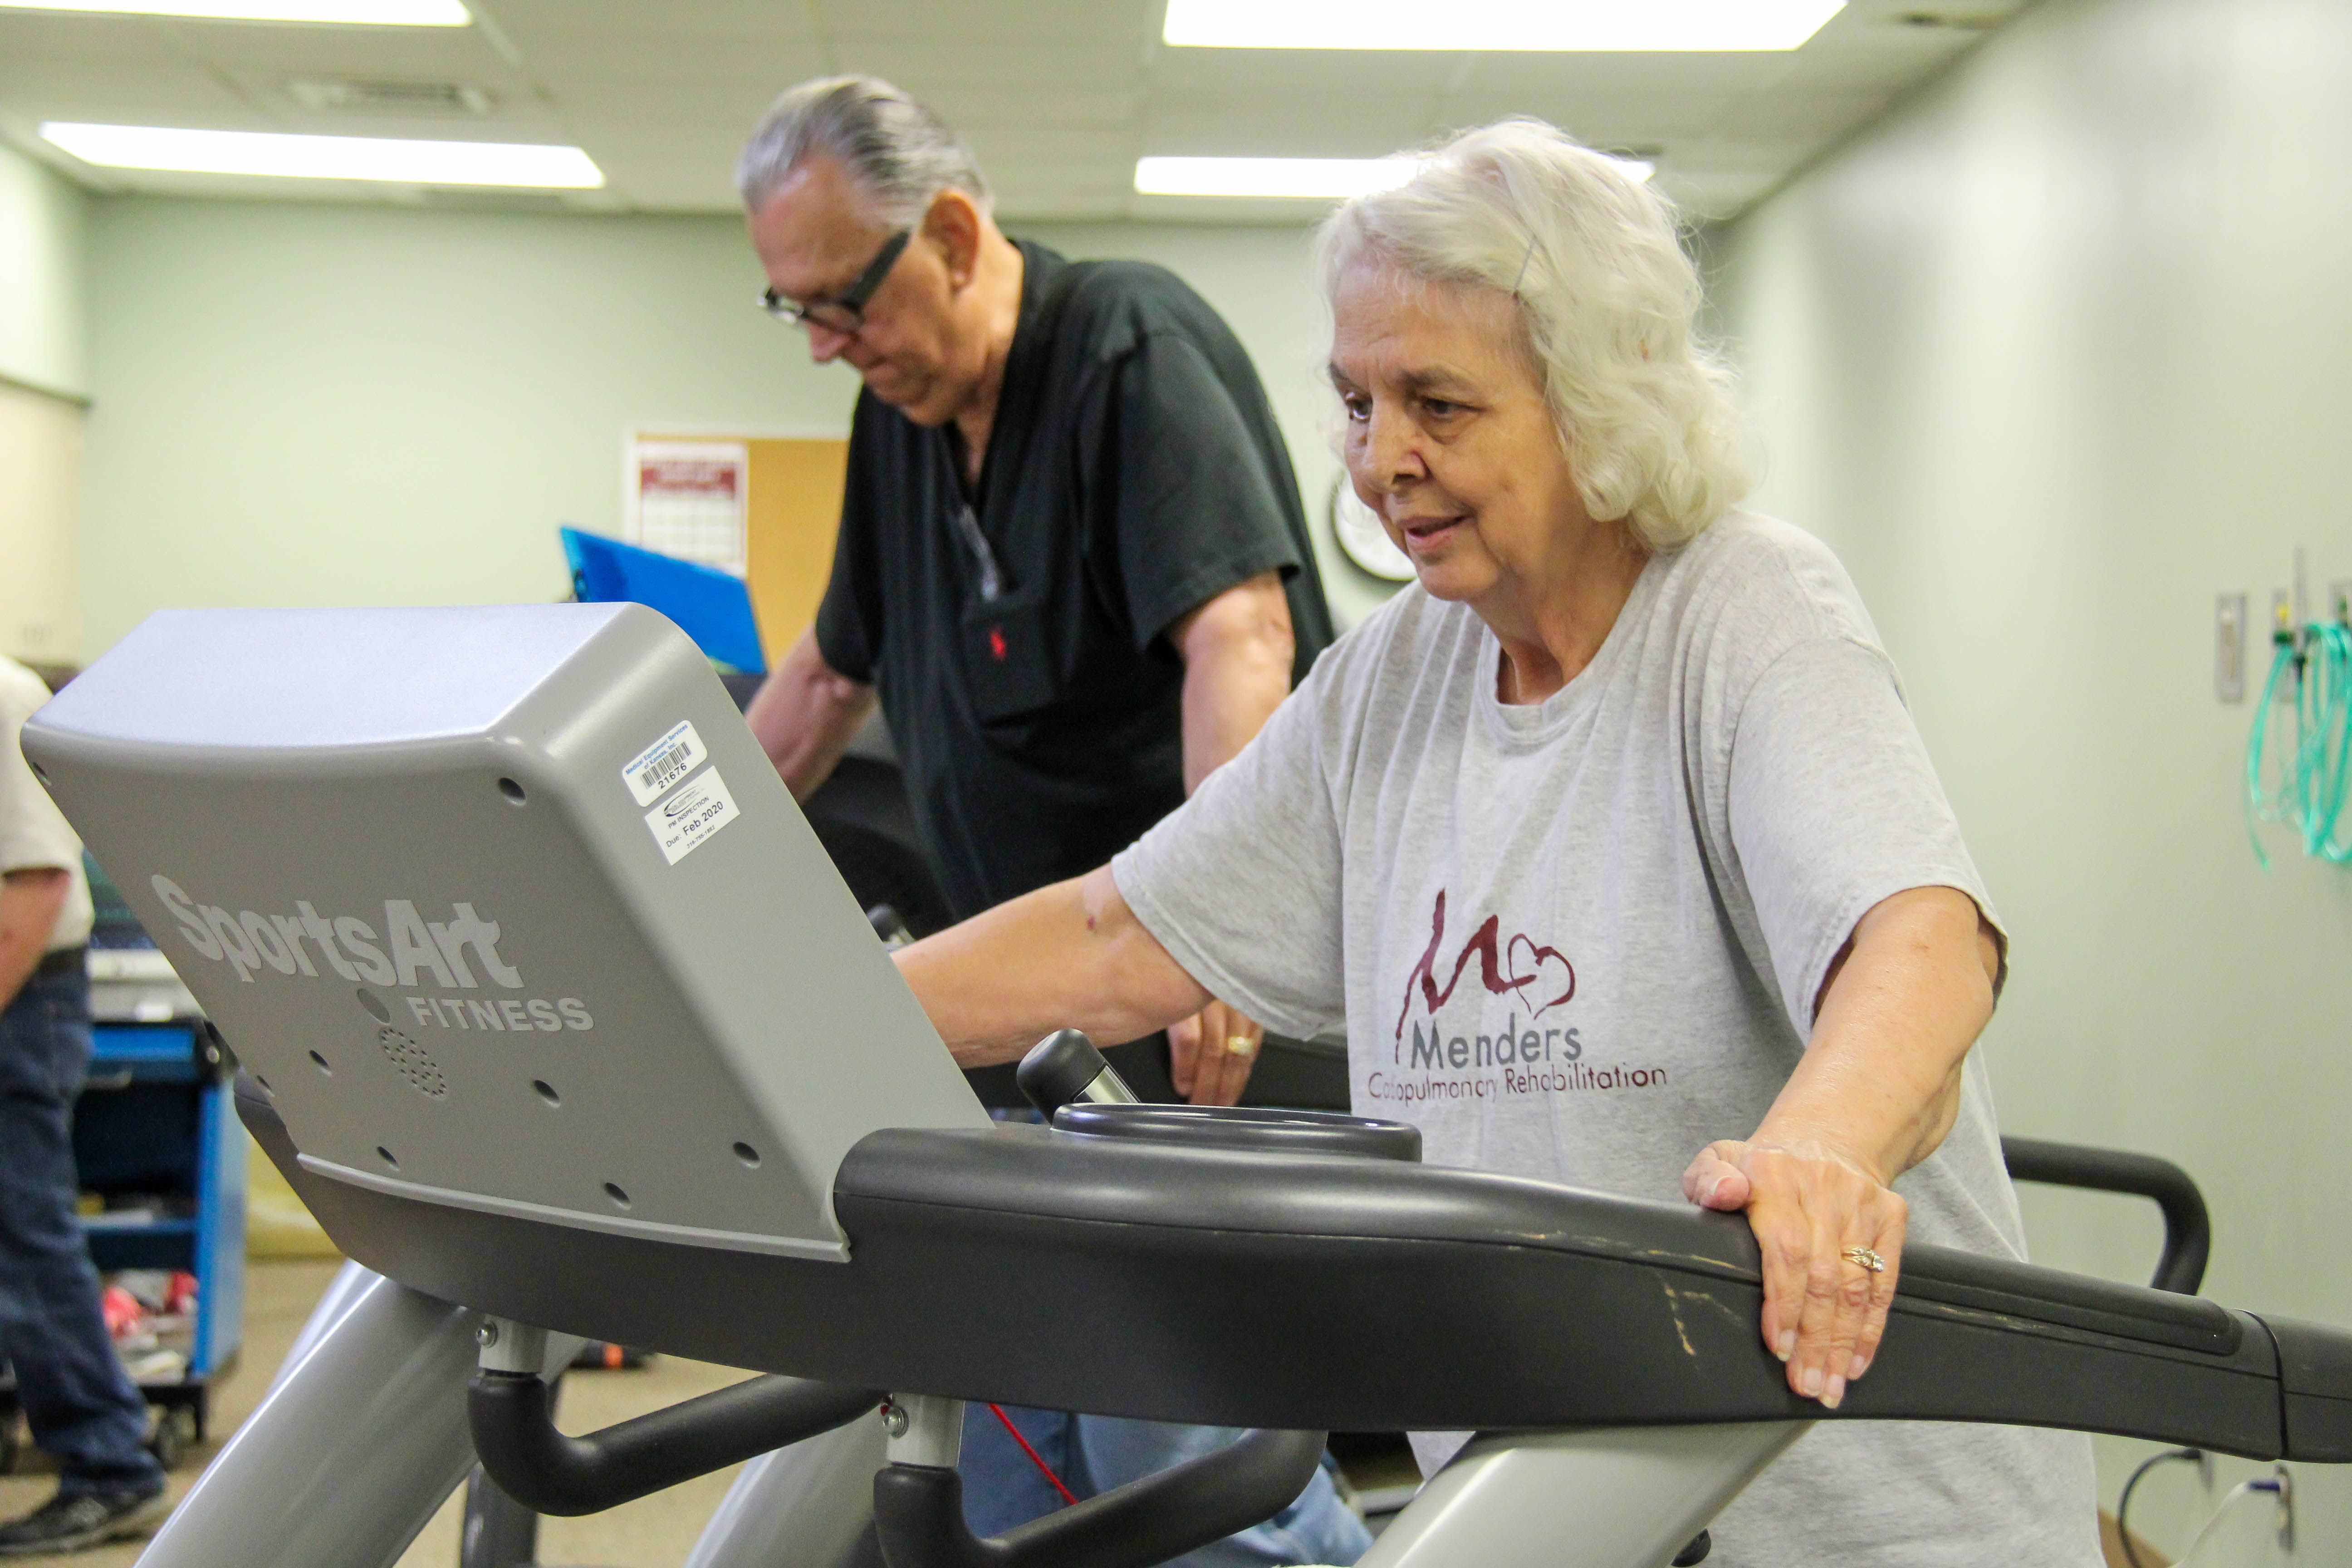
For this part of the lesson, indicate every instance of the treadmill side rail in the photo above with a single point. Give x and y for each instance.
(2315, 1390)
(1605, 1498)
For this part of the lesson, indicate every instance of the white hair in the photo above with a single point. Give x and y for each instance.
(1608, 303)
(898, 152)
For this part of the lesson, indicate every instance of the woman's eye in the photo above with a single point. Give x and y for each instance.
(1358, 409)
(1438, 408)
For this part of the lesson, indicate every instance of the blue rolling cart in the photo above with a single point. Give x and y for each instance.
(155, 1123)
(156, 1136)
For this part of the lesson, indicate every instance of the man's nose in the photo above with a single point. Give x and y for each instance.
(826, 345)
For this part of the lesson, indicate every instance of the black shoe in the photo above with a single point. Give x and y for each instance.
(85, 1518)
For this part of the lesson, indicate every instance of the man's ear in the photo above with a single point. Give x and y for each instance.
(954, 224)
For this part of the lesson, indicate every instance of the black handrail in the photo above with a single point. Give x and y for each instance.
(2187, 1229)
(919, 1511)
(539, 1467)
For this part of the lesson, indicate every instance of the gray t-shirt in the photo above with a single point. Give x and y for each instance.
(1581, 938)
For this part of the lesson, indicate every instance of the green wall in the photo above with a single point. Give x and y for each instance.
(317, 405)
(2053, 355)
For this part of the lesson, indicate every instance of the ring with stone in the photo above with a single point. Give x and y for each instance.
(1864, 1257)
(1240, 1045)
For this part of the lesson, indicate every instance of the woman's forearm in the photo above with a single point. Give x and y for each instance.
(1068, 956)
(1880, 1083)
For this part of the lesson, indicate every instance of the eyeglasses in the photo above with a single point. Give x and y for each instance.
(846, 312)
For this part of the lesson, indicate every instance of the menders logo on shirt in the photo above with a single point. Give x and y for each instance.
(1507, 1062)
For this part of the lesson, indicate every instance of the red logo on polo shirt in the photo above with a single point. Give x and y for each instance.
(996, 648)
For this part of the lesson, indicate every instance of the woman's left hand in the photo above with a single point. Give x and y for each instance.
(1812, 1205)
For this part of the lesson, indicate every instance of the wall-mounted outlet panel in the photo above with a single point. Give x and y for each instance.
(2230, 647)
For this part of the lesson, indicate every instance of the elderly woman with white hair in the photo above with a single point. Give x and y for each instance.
(1610, 840)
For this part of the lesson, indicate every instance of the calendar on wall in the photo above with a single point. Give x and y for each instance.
(689, 498)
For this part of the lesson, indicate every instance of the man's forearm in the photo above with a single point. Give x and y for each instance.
(1880, 1083)
(804, 715)
(1068, 956)
(30, 903)
(1237, 651)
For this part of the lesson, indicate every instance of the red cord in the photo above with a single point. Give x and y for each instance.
(1044, 1468)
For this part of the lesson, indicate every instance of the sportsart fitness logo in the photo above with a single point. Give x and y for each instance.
(1500, 1064)
(445, 953)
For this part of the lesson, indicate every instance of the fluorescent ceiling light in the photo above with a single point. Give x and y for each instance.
(1498, 25)
(326, 157)
(1315, 178)
(369, 12)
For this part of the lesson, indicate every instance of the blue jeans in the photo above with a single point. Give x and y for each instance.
(80, 1403)
(1093, 1454)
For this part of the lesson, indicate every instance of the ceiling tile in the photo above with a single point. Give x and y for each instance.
(1321, 127)
(532, 22)
(1814, 117)
(991, 64)
(1279, 74)
(656, 110)
(1132, 22)
(34, 35)
(569, 64)
(85, 89)
(961, 106)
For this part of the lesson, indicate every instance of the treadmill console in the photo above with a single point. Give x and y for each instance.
(453, 882)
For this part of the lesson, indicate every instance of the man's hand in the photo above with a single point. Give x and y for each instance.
(804, 715)
(1211, 1053)
(29, 902)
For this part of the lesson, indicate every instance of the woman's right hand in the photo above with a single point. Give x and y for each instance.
(1813, 1208)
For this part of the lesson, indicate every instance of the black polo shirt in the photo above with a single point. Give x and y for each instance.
(1133, 472)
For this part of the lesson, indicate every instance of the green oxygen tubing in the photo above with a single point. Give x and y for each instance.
(2303, 780)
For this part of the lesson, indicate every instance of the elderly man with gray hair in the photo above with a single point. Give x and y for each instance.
(1074, 567)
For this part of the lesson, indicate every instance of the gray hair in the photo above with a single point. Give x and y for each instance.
(898, 152)
(1608, 305)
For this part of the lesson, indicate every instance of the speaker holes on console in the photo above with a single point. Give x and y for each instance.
(322, 1063)
(614, 1191)
(512, 791)
(546, 1091)
(414, 1062)
(748, 1155)
(385, 1155)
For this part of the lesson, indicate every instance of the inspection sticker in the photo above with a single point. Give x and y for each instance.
(684, 822)
(663, 764)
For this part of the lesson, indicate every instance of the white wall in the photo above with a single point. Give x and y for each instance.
(43, 321)
(40, 481)
(313, 404)
(44, 371)
(2053, 356)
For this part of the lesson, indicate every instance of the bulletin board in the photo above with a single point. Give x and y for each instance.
(791, 505)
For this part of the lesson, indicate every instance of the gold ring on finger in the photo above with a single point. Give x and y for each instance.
(1864, 1257)
(1240, 1045)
